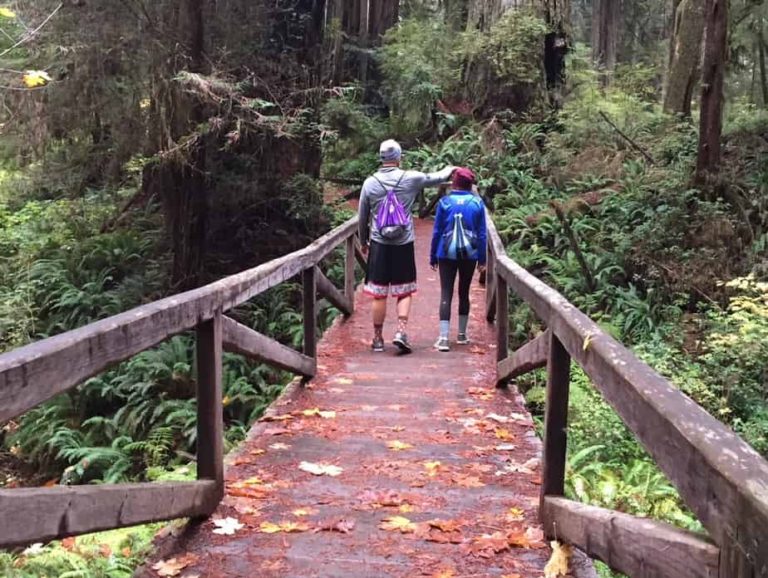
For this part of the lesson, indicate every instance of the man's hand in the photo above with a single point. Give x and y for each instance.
(364, 249)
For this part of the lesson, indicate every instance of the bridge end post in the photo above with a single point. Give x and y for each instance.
(309, 286)
(502, 326)
(349, 270)
(210, 411)
(555, 420)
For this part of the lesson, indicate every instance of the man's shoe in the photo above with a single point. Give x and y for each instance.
(462, 339)
(377, 344)
(401, 340)
(442, 344)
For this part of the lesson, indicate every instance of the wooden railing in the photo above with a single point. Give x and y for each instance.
(33, 374)
(721, 478)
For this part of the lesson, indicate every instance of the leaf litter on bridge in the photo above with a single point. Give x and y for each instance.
(436, 472)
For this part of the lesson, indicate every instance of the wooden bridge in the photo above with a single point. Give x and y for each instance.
(376, 465)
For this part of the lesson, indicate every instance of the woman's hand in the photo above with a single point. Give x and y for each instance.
(433, 266)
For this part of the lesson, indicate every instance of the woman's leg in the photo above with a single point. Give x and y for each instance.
(466, 269)
(448, 269)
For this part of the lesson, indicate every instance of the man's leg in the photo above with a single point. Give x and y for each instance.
(379, 315)
(403, 312)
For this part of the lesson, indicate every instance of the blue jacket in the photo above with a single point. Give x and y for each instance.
(473, 214)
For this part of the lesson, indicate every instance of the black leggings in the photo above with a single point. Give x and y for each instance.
(448, 269)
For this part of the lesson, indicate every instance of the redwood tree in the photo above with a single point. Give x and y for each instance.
(713, 74)
(684, 56)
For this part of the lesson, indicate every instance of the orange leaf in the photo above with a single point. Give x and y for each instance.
(398, 446)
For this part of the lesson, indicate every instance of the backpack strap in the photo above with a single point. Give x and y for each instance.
(384, 187)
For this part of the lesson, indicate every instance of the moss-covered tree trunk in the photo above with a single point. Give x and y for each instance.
(712, 80)
(557, 14)
(685, 56)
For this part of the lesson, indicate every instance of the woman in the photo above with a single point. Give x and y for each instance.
(458, 246)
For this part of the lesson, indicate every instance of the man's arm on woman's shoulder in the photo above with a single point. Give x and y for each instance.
(432, 179)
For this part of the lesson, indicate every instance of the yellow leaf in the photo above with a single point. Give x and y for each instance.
(503, 434)
(327, 414)
(7, 12)
(587, 342)
(515, 515)
(35, 78)
(226, 401)
(398, 524)
(558, 562)
(311, 412)
(398, 446)
(432, 468)
(406, 509)
(300, 512)
(269, 528)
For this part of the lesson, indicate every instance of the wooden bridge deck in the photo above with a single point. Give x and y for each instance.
(426, 437)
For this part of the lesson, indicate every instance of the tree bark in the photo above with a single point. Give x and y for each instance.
(605, 30)
(761, 57)
(557, 14)
(713, 75)
(685, 56)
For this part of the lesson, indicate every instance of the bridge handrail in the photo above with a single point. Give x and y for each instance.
(33, 374)
(719, 476)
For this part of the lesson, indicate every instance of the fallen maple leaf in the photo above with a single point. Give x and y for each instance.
(487, 545)
(398, 446)
(343, 381)
(283, 417)
(301, 512)
(432, 468)
(279, 446)
(174, 566)
(406, 509)
(497, 418)
(445, 525)
(443, 573)
(227, 526)
(466, 481)
(287, 527)
(503, 434)
(342, 525)
(398, 524)
(505, 447)
(558, 562)
(257, 452)
(320, 469)
(514, 515)
(276, 431)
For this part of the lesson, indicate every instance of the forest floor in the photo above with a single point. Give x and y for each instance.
(426, 469)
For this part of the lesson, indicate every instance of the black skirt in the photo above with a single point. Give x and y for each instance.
(391, 270)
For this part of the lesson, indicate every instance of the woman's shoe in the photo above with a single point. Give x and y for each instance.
(462, 339)
(442, 344)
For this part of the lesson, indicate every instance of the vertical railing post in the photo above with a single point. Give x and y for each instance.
(210, 411)
(556, 419)
(502, 324)
(309, 284)
(349, 270)
(490, 283)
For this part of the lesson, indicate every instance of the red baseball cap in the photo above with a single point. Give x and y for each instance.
(463, 179)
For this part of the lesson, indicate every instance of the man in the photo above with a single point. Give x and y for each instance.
(391, 261)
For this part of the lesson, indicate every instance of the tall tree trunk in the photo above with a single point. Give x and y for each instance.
(763, 76)
(713, 75)
(557, 14)
(685, 56)
(605, 30)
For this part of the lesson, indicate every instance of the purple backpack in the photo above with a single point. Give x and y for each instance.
(392, 220)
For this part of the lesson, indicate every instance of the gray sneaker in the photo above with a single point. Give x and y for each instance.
(377, 344)
(442, 344)
(401, 340)
(462, 339)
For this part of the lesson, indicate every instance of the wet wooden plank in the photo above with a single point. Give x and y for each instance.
(210, 411)
(33, 374)
(43, 514)
(533, 355)
(637, 547)
(243, 340)
(334, 296)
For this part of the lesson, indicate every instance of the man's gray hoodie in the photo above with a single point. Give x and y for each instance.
(375, 191)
